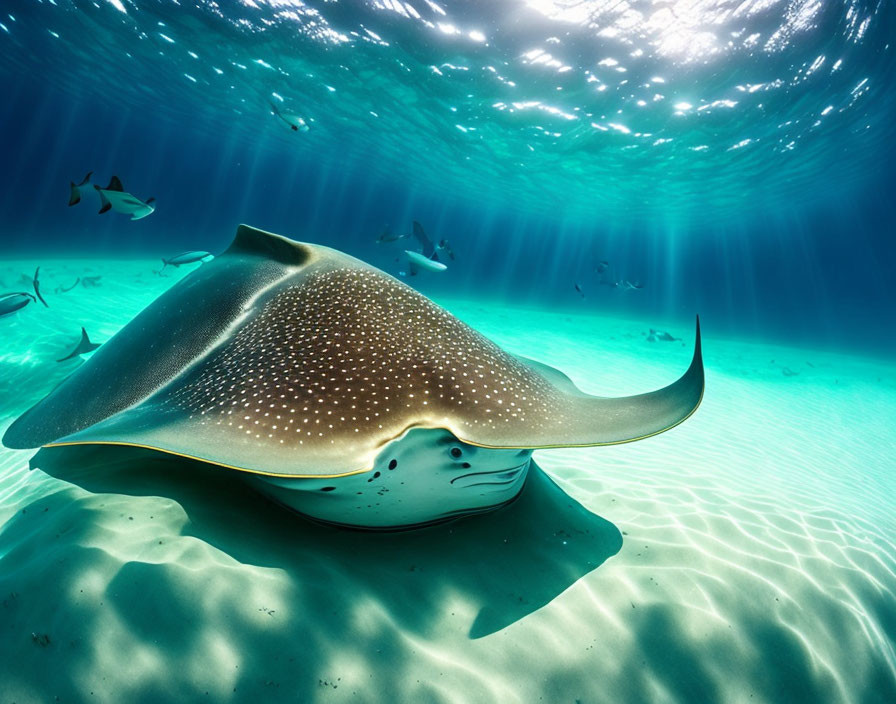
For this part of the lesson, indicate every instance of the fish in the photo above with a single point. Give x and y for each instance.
(74, 196)
(429, 259)
(13, 302)
(417, 261)
(579, 289)
(661, 335)
(84, 346)
(90, 281)
(114, 197)
(35, 282)
(602, 266)
(334, 389)
(187, 258)
(295, 122)
(387, 236)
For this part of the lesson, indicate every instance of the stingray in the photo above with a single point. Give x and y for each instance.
(114, 197)
(655, 335)
(335, 389)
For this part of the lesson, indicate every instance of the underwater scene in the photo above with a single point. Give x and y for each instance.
(448, 351)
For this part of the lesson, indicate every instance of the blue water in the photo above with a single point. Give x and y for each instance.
(734, 158)
(729, 158)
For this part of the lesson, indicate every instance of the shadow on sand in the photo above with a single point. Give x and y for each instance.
(508, 563)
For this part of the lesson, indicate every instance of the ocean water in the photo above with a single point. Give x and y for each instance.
(599, 170)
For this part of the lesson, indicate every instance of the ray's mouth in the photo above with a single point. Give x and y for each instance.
(498, 477)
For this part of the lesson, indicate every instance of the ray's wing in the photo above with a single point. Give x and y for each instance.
(163, 340)
(593, 420)
(293, 360)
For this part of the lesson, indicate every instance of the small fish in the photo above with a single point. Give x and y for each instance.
(603, 266)
(91, 281)
(388, 236)
(74, 196)
(579, 289)
(36, 283)
(417, 261)
(787, 371)
(627, 285)
(186, 258)
(429, 259)
(114, 197)
(12, 302)
(84, 346)
(661, 335)
(296, 123)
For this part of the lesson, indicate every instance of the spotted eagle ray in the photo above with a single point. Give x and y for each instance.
(335, 389)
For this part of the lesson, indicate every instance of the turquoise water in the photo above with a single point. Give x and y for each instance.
(601, 172)
(618, 110)
(764, 205)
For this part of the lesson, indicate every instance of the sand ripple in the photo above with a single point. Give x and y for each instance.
(747, 555)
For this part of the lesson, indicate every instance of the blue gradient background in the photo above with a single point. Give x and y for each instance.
(801, 250)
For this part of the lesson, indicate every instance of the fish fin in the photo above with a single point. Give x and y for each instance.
(249, 240)
(114, 185)
(86, 345)
(36, 283)
(420, 234)
(74, 196)
(597, 421)
(418, 231)
(149, 200)
(86, 178)
(106, 206)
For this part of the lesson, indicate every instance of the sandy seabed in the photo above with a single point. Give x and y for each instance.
(745, 556)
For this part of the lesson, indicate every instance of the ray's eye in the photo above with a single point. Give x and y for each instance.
(456, 453)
